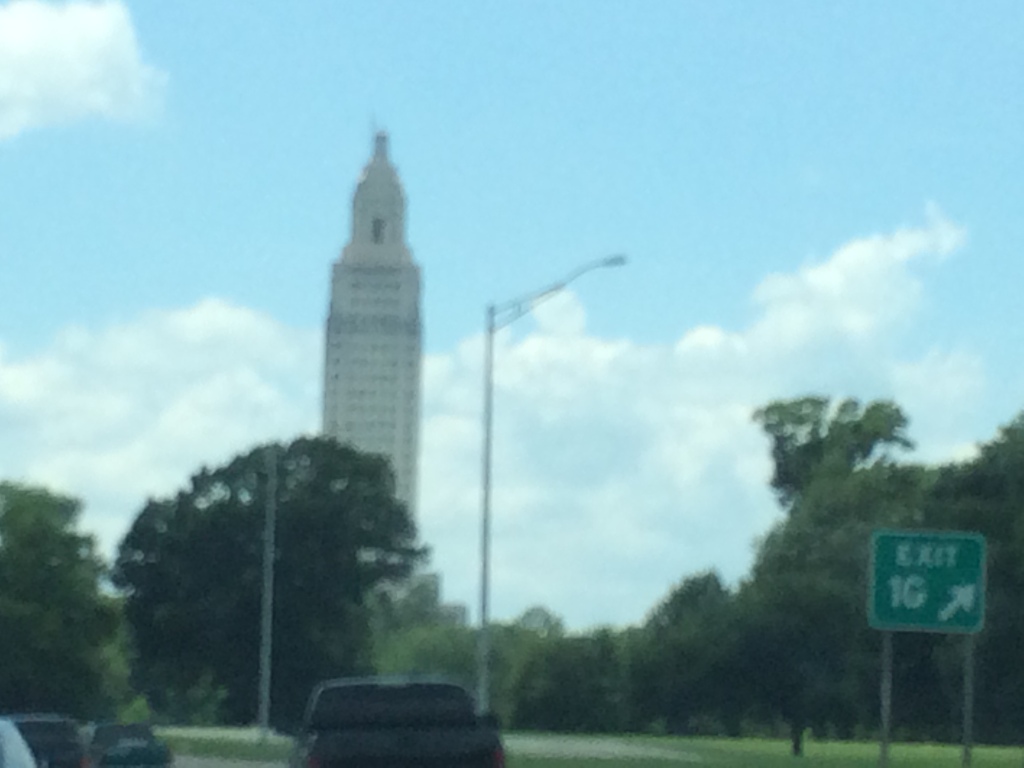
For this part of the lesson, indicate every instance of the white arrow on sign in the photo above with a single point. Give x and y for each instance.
(961, 598)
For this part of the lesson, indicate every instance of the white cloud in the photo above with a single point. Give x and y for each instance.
(618, 467)
(863, 286)
(67, 61)
(943, 387)
(130, 411)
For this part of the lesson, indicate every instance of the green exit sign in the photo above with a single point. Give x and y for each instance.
(927, 581)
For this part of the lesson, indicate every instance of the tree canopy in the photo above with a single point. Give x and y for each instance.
(191, 571)
(55, 623)
(810, 436)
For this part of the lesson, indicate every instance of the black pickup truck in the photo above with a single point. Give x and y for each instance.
(395, 723)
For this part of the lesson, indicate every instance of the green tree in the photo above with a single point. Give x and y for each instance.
(804, 613)
(541, 621)
(432, 649)
(413, 603)
(414, 634)
(681, 664)
(515, 644)
(571, 683)
(56, 626)
(808, 435)
(116, 653)
(986, 495)
(191, 571)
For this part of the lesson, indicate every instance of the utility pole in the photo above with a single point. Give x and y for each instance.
(267, 612)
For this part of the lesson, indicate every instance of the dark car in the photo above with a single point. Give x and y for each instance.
(409, 722)
(53, 739)
(117, 745)
(14, 751)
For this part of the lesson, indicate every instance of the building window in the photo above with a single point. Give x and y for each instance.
(378, 230)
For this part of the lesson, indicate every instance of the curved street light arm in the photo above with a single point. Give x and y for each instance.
(510, 311)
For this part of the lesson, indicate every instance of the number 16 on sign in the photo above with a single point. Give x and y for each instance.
(909, 592)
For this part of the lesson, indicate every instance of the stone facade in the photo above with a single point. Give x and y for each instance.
(373, 350)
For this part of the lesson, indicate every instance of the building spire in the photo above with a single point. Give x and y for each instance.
(378, 209)
(380, 146)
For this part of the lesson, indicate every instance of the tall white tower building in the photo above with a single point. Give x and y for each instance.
(374, 338)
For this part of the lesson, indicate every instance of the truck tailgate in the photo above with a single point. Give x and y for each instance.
(407, 747)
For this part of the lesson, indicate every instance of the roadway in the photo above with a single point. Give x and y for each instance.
(527, 745)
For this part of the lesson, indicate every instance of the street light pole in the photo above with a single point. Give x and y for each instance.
(484, 641)
(267, 609)
(497, 317)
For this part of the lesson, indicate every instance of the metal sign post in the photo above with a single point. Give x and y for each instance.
(883, 756)
(968, 732)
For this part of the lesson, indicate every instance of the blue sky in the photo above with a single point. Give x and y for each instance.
(813, 197)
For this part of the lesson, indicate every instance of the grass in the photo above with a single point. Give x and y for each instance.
(715, 753)
(764, 753)
(276, 749)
